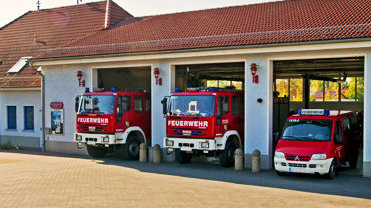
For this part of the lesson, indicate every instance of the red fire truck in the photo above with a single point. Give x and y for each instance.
(317, 141)
(117, 121)
(205, 121)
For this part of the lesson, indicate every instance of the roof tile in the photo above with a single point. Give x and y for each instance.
(267, 23)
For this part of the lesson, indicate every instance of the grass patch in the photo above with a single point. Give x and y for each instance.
(7, 146)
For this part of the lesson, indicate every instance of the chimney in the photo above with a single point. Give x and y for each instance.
(107, 21)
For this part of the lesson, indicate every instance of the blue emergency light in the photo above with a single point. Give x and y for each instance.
(211, 89)
(87, 89)
(177, 89)
(114, 89)
(314, 112)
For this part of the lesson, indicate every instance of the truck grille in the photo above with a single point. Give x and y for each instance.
(96, 128)
(297, 158)
(297, 165)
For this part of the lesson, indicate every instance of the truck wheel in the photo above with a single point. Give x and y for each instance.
(182, 157)
(332, 170)
(96, 152)
(227, 156)
(130, 150)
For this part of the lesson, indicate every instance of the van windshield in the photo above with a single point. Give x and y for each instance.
(192, 105)
(97, 104)
(307, 130)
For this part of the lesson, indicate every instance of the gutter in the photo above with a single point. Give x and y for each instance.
(202, 49)
(42, 106)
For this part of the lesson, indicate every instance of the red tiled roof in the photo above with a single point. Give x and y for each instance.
(267, 23)
(46, 29)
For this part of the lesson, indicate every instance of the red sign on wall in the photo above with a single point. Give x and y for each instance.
(56, 105)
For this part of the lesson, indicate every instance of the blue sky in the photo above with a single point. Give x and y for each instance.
(11, 9)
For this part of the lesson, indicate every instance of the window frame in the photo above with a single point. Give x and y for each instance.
(25, 118)
(136, 99)
(8, 117)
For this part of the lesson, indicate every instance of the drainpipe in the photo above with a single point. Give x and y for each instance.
(42, 106)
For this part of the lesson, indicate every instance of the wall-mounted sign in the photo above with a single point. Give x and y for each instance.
(57, 121)
(56, 105)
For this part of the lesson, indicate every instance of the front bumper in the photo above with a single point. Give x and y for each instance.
(310, 167)
(188, 144)
(95, 139)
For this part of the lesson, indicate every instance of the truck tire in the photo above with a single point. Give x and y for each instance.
(227, 156)
(182, 157)
(130, 150)
(332, 170)
(96, 152)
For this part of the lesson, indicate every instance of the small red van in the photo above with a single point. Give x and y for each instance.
(317, 141)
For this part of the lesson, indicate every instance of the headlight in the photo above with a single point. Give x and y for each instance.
(279, 155)
(78, 138)
(319, 157)
(106, 139)
(169, 143)
(204, 145)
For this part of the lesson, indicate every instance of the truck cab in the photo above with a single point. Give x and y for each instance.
(317, 141)
(113, 121)
(204, 121)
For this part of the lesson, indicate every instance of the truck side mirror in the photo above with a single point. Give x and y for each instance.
(77, 101)
(164, 106)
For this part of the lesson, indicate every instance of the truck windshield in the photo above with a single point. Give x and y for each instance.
(97, 104)
(191, 105)
(307, 130)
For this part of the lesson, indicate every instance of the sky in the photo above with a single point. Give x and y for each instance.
(11, 9)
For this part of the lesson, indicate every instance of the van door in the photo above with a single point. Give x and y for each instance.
(339, 142)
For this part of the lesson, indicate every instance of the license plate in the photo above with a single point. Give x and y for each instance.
(91, 128)
(297, 170)
(187, 149)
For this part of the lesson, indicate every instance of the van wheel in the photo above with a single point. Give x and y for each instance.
(130, 150)
(182, 157)
(96, 152)
(332, 170)
(227, 156)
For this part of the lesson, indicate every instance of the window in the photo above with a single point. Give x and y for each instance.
(292, 88)
(124, 104)
(235, 105)
(28, 118)
(224, 84)
(346, 124)
(338, 139)
(282, 86)
(316, 90)
(138, 104)
(148, 104)
(331, 91)
(352, 89)
(12, 117)
(296, 89)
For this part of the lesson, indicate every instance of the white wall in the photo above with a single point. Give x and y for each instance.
(158, 93)
(258, 115)
(367, 118)
(61, 85)
(20, 99)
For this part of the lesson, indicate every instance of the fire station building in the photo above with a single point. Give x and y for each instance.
(285, 55)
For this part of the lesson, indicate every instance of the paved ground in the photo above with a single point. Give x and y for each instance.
(37, 180)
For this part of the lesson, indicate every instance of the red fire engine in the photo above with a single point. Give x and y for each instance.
(204, 121)
(317, 141)
(109, 121)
